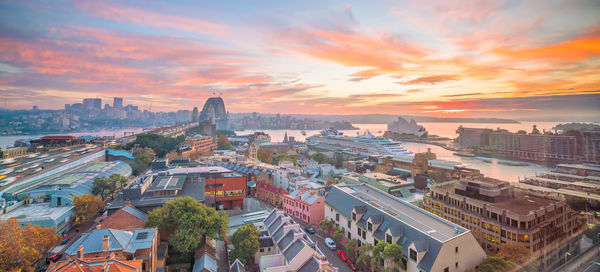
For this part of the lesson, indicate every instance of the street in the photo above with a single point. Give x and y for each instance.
(331, 255)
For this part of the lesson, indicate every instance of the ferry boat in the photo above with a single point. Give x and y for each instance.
(365, 144)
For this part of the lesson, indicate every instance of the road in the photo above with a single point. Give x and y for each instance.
(331, 255)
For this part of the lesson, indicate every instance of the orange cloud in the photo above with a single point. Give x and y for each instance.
(430, 80)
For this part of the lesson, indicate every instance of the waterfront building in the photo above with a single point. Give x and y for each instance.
(48, 142)
(403, 127)
(533, 147)
(13, 152)
(429, 243)
(497, 213)
(292, 248)
(423, 164)
(305, 205)
(360, 166)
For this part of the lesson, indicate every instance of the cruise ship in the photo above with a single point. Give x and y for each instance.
(365, 144)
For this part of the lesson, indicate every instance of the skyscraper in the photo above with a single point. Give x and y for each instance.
(92, 103)
(118, 102)
(195, 115)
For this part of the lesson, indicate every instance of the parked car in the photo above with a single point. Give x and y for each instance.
(342, 255)
(66, 239)
(330, 243)
(54, 257)
(352, 265)
(310, 230)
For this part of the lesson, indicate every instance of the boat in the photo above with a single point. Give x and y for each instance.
(365, 144)
(463, 154)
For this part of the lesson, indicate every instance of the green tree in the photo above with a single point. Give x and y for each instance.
(143, 158)
(245, 242)
(393, 252)
(188, 222)
(377, 258)
(327, 225)
(226, 132)
(338, 161)
(351, 249)
(285, 157)
(86, 206)
(223, 143)
(160, 144)
(108, 187)
(338, 235)
(363, 261)
(265, 155)
(493, 264)
(320, 157)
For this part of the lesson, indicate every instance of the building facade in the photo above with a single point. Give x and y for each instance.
(498, 213)
(305, 205)
(429, 243)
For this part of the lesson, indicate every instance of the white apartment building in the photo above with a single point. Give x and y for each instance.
(429, 243)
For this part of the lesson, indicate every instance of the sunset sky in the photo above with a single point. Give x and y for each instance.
(513, 59)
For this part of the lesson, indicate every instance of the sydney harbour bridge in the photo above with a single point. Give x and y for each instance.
(214, 110)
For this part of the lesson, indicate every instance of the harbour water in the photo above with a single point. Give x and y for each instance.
(490, 169)
(493, 169)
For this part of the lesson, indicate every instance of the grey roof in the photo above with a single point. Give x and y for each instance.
(265, 242)
(312, 265)
(279, 232)
(421, 245)
(290, 253)
(237, 266)
(286, 240)
(167, 183)
(273, 227)
(376, 219)
(205, 262)
(405, 219)
(360, 209)
(135, 212)
(126, 241)
(271, 217)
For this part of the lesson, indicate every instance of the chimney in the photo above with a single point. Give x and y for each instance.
(127, 202)
(80, 253)
(99, 226)
(105, 244)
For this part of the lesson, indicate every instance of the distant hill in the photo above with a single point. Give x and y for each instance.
(388, 118)
(577, 126)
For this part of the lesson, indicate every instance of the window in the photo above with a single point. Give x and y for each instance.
(447, 269)
(358, 231)
(456, 264)
(262, 250)
(337, 217)
(349, 224)
(456, 249)
(370, 226)
(364, 235)
(388, 238)
(413, 255)
(354, 216)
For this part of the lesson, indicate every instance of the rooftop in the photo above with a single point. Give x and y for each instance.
(405, 212)
(36, 212)
(167, 183)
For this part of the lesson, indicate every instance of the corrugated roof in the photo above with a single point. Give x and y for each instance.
(205, 262)
(135, 212)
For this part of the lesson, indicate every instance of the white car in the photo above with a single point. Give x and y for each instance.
(330, 243)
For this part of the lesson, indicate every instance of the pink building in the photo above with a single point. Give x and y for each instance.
(306, 206)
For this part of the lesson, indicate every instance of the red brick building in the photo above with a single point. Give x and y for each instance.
(270, 194)
(126, 218)
(229, 190)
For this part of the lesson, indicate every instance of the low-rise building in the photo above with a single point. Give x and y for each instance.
(126, 218)
(140, 244)
(197, 144)
(429, 243)
(497, 213)
(270, 194)
(214, 186)
(293, 249)
(13, 152)
(96, 264)
(305, 205)
(118, 155)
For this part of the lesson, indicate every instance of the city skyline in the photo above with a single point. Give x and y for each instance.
(535, 59)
